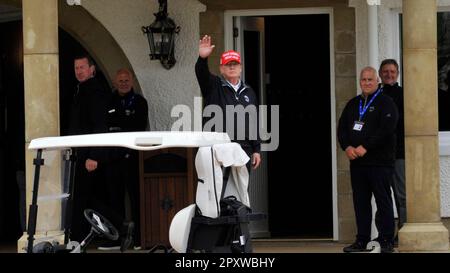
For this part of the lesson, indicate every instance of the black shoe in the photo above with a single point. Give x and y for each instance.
(110, 245)
(386, 246)
(127, 239)
(357, 246)
(137, 247)
(136, 243)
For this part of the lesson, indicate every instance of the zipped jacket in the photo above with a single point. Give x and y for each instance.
(377, 135)
(217, 91)
(89, 116)
(127, 113)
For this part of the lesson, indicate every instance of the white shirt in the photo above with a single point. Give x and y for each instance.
(235, 87)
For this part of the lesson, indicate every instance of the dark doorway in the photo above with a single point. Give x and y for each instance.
(252, 60)
(12, 120)
(12, 131)
(300, 171)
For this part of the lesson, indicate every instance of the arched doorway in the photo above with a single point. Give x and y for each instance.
(12, 133)
(95, 39)
(12, 121)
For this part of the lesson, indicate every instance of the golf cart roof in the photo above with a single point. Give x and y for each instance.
(144, 141)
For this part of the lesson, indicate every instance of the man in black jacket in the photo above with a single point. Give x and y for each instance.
(229, 90)
(128, 112)
(389, 72)
(366, 133)
(88, 116)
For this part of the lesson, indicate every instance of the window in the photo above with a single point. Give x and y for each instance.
(443, 32)
(443, 43)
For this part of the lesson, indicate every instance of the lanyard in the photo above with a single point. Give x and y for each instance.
(363, 110)
(127, 103)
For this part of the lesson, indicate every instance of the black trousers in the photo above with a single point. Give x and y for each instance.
(376, 180)
(123, 176)
(89, 192)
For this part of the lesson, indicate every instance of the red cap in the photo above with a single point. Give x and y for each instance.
(230, 56)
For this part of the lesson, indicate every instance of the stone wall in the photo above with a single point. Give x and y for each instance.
(162, 88)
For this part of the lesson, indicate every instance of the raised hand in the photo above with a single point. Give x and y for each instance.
(205, 48)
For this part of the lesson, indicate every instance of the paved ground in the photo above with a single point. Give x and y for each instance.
(283, 246)
(259, 246)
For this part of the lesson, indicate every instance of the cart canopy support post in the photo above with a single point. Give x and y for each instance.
(32, 217)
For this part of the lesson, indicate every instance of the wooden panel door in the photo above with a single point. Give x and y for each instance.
(167, 186)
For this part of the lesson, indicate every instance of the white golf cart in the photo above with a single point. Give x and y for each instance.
(142, 141)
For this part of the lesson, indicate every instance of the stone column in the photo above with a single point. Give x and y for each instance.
(424, 230)
(40, 39)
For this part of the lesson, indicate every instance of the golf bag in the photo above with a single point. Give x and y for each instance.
(229, 233)
(219, 220)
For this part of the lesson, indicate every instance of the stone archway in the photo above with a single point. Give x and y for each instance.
(92, 35)
(95, 38)
(40, 52)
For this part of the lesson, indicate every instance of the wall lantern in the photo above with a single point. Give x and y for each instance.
(161, 37)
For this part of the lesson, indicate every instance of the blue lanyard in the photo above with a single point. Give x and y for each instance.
(127, 103)
(363, 110)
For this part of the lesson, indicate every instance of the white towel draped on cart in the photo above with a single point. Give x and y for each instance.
(209, 162)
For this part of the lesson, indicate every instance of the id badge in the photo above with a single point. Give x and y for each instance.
(358, 126)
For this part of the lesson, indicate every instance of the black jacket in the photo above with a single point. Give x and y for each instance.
(217, 91)
(89, 115)
(378, 133)
(396, 93)
(127, 113)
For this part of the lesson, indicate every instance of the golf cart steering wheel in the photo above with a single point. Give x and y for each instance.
(101, 225)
